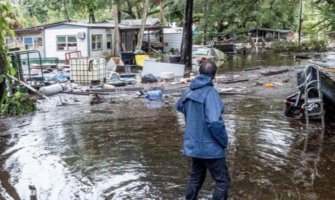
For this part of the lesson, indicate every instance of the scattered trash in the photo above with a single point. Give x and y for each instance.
(226, 89)
(167, 75)
(156, 68)
(108, 86)
(154, 95)
(22, 125)
(110, 66)
(277, 83)
(184, 80)
(274, 72)
(57, 88)
(151, 105)
(57, 77)
(248, 106)
(268, 85)
(330, 70)
(119, 80)
(251, 69)
(96, 99)
(232, 91)
(148, 78)
(231, 81)
(302, 56)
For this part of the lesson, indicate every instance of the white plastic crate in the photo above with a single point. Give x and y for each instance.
(88, 71)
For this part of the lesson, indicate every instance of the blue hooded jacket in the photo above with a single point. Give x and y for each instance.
(205, 135)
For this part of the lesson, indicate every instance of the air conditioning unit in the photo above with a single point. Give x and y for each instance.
(81, 35)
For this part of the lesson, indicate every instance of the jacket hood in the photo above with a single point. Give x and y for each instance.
(201, 81)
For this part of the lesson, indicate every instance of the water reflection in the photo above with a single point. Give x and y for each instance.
(122, 149)
(255, 59)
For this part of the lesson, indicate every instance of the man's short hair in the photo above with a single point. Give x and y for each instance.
(208, 68)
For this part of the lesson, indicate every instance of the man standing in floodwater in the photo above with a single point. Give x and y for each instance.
(205, 138)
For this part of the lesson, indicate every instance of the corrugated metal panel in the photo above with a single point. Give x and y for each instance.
(153, 38)
(172, 40)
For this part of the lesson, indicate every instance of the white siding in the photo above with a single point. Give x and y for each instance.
(153, 38)
(172, 40)
(50, 41)
(104, 50)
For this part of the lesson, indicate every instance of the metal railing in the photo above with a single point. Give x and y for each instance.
(314, 105)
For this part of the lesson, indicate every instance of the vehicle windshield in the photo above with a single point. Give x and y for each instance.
(200, 51)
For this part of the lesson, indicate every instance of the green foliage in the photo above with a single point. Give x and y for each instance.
(320, 15)
(317, 45)
(7, 20)
(18, 104)
(242, 38)
(284, 46)
(310, 46)
(240, 15)
(37, 8)
(198, 39)
(209, 15)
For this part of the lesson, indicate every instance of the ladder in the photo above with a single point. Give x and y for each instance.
(313, 83)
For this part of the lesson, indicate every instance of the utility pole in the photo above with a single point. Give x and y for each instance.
(300, 21)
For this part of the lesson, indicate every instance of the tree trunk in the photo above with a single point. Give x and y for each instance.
(186, 49)
(91, 17)
(2, 64)
(161, 12)
(66, 13)
(2, 70)
(144, 19)
(206, 23)
(300, 21)
(116, 40)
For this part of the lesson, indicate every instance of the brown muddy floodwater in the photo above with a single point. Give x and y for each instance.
(120, 149)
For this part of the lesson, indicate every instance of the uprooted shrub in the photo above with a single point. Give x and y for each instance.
(18, 104)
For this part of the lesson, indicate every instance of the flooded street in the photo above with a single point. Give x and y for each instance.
(121, 149)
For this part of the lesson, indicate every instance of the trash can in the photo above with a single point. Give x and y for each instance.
(139, 59)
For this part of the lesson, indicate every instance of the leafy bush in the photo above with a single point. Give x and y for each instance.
(242, 38)
(18, 104)
(317, 45)
(312, 45)
(198, 38)
(283, 46)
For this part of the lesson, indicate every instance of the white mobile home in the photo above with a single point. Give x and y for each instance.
(172, 38)
(91, 40)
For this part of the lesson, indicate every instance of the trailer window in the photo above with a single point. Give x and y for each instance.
(109, 41)
(96, 42)
(66, 42)
(28, 43)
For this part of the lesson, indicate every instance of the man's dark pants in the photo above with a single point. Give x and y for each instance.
(218, 170)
